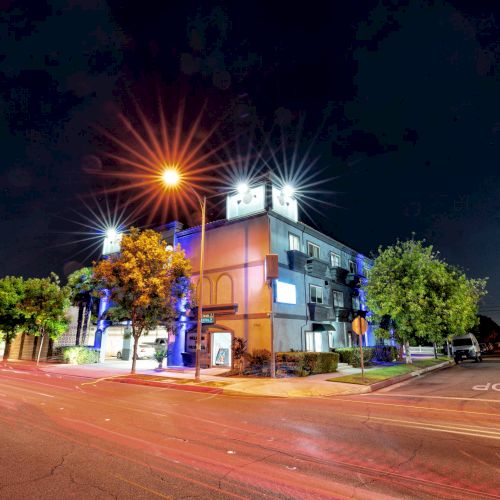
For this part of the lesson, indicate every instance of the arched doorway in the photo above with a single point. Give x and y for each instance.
(220, 346)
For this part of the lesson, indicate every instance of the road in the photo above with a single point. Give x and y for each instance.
(69, 437)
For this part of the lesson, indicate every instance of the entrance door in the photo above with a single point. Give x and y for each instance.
(221, 349)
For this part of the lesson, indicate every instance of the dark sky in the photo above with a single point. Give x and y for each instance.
(402, 97)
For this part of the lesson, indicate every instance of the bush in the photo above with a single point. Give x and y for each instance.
(350, 355)
(79, 355)
(258, 358)
(303, 364)
(386, 353)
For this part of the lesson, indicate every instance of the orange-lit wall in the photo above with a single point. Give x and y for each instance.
(234, 272)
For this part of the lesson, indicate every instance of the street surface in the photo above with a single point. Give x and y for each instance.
(71, 437)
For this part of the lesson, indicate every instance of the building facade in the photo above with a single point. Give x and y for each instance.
(309, 306)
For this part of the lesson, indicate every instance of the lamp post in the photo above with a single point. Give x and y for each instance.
(171, 178)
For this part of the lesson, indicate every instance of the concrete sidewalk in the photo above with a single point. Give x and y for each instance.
(211, 379)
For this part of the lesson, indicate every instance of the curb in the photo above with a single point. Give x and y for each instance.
(168, 385)
(403, 378)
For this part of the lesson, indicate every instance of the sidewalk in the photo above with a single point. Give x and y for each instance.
(211, 381)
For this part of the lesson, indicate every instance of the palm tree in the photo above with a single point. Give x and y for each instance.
(82, 286)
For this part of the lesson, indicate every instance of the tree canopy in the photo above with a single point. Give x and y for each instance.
(146, 281)
(425, 298)
(45, 305)
(12, 317)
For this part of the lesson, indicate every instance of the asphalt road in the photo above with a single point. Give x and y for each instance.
(69, 437)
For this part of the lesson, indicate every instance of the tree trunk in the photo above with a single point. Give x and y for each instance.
(40, 349)
(408, 353)
(435, 351)
(8, 345)
(79, 323)
(134, 354)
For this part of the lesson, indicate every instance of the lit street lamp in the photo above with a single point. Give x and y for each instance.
(171, 179)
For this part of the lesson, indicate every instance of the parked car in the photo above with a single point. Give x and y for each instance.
(466, 347)
(145, 351)
(161, 342)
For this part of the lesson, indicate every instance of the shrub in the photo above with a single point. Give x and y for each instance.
(307, 363)
(79, 355)
(350, 355)
(258, 358)
(386, 353)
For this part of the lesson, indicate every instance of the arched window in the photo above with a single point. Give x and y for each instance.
(224, 293)
(207, 290)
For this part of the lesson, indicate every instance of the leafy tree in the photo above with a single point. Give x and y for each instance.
(425, 298)
(82, 292)
(11, 314)
(44, 306)
(147, 282)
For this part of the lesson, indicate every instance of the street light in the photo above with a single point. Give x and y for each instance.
(171, 178)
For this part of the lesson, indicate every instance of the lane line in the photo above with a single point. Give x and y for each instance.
(496, 415)
(27, 390)
(145, 488)
(399, 395)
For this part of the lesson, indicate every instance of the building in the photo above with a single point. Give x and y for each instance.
(309, 307)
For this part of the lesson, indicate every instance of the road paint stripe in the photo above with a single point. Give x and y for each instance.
(448, 431)
(142, 487)
(470, 428)
(420, 407)
(398, 395)
(27, 390)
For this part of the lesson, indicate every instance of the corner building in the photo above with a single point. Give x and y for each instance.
(309, 307)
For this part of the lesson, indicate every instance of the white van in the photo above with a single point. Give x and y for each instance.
(466, 347)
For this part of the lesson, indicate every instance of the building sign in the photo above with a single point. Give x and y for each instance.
(286, 293)
(246, 202)
(285, 204)
(207, 319)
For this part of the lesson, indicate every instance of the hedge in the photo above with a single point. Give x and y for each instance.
(307, 363)
(79, 355)
(350, 355)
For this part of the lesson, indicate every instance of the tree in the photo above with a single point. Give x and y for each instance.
(12, 318)
(82, 289)
(147, 281)
(44, 306)
(424, 297)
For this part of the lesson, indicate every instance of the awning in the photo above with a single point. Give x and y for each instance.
(323, 327)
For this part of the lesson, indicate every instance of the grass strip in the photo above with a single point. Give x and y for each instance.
(378, 374)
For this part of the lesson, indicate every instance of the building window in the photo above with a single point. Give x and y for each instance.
(314, 342)
(330, 340)
(312, 250)
(355, 303)
(293, 242)
(338, 299)
(352, 267)
(316, 294)
(334, 259)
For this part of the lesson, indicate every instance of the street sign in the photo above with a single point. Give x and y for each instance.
(359, 325)
(207, 319)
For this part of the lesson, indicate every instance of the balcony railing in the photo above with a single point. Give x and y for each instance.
(297, 260)
(316, 267)
(320, 312)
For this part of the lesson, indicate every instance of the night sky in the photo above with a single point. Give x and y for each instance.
(399, 100)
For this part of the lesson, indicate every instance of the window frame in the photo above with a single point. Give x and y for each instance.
(353, 262)
(336, 293)
(311, 286)
(297, 238)
(310, 243)
(339, 259)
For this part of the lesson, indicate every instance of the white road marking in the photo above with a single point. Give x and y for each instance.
(398, 395)
(27, 390)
